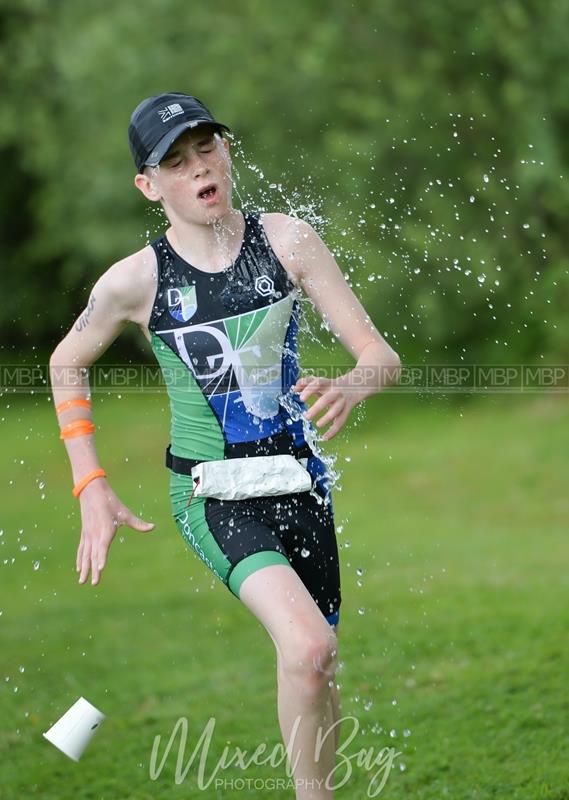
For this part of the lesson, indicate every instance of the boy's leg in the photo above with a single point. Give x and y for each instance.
(306, 647)
(336, 705)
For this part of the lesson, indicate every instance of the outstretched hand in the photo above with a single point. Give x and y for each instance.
(102, 513)
(334, 395)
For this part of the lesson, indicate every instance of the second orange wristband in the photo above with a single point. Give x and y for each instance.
(95, 473)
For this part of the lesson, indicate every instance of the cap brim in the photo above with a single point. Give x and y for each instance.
(169, 138)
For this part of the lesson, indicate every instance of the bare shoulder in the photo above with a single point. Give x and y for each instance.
(286, 234)
(287, 231)
(133, 276)
(132, 282)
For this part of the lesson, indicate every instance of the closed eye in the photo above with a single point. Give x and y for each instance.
(206, 147)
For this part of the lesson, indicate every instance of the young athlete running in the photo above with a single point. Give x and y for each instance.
(217, 297)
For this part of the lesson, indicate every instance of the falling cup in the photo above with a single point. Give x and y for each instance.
(74, 730)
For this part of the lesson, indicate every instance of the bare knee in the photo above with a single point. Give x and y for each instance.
(309, 659)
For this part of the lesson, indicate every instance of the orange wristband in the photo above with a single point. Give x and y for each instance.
(77, 401)
(96, 473)
(83, 431)
(77, 423)
(79, 427)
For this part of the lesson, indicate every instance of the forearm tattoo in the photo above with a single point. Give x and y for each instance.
(83, 320)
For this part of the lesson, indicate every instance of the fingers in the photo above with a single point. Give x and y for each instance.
(333, 412)
(301, 382)
(94, 566)
(92, 556)
(90, 561)
(336, 425)
(338, 414)
(313, 385)
(134, 522)
(310, 385)
(85, 560)
(141, 525)
(323, 402)
(79, 557)
(93, 548)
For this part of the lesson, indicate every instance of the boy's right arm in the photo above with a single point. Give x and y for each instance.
(115, 300)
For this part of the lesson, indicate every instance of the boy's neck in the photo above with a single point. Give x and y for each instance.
(209, 246)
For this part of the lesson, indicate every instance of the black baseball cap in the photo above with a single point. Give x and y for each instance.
(157, 121)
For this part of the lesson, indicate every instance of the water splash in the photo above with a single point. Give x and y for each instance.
(293, 407)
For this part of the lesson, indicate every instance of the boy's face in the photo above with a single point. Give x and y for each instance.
(197, 159)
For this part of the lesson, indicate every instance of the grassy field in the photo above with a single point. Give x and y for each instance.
(456, 512)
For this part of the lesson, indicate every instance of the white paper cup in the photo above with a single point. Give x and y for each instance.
(74, 730)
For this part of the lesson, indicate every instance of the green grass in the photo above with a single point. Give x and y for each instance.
(456, 512)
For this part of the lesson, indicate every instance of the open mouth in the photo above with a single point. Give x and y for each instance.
(208, 193)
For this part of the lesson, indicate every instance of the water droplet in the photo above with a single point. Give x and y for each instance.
(304, 552)
(393, 733)
(471, 198)
(36, 565)
(406, 732)
(361, 611)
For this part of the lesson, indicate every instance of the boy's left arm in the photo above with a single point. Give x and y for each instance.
(378, 365)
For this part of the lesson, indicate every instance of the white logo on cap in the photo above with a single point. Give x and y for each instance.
(170, 111)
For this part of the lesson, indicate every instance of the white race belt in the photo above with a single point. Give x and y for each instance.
(254, 476)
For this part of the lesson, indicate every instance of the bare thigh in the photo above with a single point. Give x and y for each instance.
(278, 598)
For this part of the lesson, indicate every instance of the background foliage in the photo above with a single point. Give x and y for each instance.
(426, 142)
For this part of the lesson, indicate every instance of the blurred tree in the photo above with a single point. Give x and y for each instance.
(426, 142)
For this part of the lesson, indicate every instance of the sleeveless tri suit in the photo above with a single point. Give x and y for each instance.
(226, 343)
